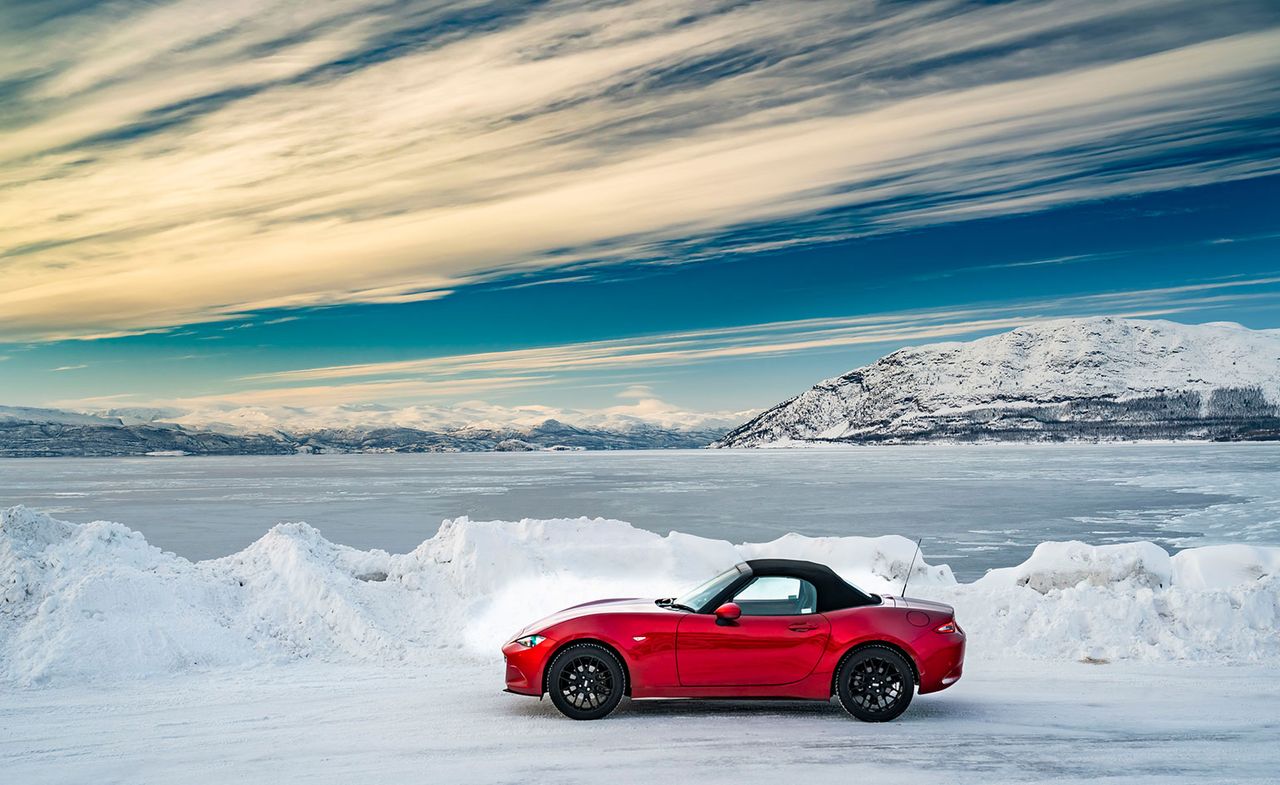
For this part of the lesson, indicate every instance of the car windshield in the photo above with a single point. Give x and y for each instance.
(702, 594)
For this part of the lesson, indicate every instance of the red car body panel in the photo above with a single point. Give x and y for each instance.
(753, 650)
(674, 653)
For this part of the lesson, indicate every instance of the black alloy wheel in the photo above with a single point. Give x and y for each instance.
(585, 681)
(875, 684)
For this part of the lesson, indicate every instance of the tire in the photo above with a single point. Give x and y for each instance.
(875, 684)
(586, 681)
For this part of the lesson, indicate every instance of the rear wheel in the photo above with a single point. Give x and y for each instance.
(874, 684)
(585, 681)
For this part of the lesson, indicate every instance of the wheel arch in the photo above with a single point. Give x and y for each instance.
(626, 669)
(884, 644)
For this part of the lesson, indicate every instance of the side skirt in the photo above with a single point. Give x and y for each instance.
(815, 686)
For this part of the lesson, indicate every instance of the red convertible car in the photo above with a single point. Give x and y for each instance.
(768, 628)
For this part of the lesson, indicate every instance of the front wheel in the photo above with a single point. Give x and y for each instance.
(874, 684)
(585, 681)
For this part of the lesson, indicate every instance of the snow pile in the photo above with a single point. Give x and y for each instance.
(1129, 601)
(302, 596)
(1224, 566)
(493, 577)
(97, 602)
(84, 601)
(90, 601)
(1062, 565)
(875, 564)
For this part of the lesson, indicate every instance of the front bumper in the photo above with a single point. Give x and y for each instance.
(525, 666)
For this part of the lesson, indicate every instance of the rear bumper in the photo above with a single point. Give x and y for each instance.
(524, 667)
(944, 665)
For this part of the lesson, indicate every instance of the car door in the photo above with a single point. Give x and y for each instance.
(777, 640)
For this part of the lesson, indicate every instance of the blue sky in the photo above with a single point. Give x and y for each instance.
(609, 205)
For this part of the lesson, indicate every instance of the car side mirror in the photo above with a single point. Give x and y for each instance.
(728, 613)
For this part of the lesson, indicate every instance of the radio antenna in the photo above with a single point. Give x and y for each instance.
(907, 580)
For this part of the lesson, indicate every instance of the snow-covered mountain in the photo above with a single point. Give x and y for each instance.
(1098, 378)
(32, 432)
(32, 414)
(462, 419)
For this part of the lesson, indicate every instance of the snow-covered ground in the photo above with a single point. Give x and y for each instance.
(1006, 721)
(304, 660)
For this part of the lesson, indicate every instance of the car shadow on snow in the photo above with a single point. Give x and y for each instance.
(920, 710)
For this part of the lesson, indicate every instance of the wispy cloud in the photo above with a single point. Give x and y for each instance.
(1246, 239)
(400, 389)
(203, 356)
(176, 163)
(68, 368)
(778, 338)
(548, 281)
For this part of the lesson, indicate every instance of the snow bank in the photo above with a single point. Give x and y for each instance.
(876, 564)
(1224, 566)
(96, 601)
(1129, 601)
(87, 601)
(1063, 565)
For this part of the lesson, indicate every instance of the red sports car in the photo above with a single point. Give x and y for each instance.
(768, 628)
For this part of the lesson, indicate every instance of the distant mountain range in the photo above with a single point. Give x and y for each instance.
(28, 432)
(1095, 379)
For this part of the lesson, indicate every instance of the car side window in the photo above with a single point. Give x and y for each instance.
(775, 595)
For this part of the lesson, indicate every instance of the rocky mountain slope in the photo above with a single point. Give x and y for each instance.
(1090, 379)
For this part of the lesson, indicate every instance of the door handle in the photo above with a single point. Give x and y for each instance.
(802, 627)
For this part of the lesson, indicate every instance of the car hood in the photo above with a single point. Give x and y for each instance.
(618, 605)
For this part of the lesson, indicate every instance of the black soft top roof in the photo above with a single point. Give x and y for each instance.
(833, 592)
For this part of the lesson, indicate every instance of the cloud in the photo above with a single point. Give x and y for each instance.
(171, 164)
(548, 281)
(796, 336)
(68, 368)
(363, 392)
(407, 383)
(637, 392)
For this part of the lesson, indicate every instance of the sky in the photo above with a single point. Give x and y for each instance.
(658, 208)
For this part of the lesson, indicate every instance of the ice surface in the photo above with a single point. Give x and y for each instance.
(95, 602)
(977, 507)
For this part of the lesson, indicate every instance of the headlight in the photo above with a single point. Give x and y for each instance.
(529, 641)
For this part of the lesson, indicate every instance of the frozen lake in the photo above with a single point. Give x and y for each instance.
(976, 506)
